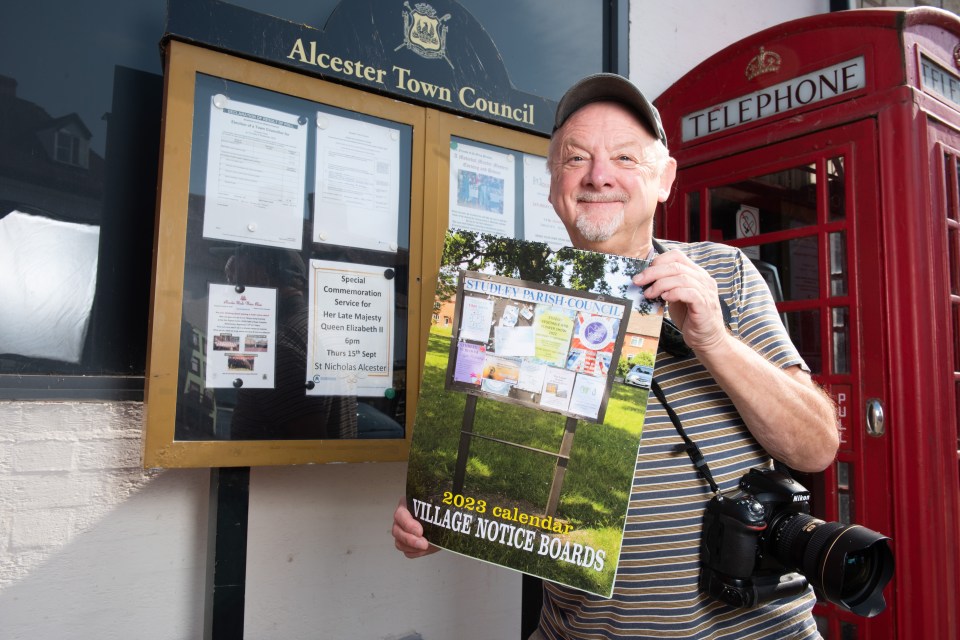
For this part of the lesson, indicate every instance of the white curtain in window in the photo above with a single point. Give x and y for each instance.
(48, 275)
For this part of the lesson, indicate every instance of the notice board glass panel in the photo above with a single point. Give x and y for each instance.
(286, 269)
(450, 142)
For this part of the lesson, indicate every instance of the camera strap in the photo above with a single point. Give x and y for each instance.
(693, 451)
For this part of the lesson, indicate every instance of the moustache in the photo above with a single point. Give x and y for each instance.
(601, 197)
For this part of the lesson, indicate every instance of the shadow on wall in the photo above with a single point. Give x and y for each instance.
(137, 570)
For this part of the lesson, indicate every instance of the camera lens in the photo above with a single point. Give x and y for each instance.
(848, 565)
(861, 568)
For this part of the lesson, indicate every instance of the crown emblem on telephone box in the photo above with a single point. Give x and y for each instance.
(424, 33)
(763, 62)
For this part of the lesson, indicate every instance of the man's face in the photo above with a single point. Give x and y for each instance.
(607, 176)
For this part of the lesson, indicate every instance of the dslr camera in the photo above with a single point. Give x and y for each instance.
(761, 543)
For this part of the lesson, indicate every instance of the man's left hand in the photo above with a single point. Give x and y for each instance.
(692, 296)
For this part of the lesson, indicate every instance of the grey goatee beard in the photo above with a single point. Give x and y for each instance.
(599, 228)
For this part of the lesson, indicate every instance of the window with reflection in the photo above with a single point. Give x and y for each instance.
(781, 200)
(804, 330)
(693, 215)
(79, 143)
(956, 338)
(840, 327)
(848, 631)
(953, 254)
(836, 189)
(790, 267)
(844, 494)
(838, 263)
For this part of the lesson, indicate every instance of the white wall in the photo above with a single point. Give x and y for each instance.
(668, 39)
(91, 546)
(322, 557)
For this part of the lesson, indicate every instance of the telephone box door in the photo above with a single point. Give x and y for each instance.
(806, 212)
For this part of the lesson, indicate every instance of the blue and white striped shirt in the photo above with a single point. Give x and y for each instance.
(656, 594)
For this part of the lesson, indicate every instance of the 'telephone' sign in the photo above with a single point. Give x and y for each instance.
(801, 91)
(939, 81)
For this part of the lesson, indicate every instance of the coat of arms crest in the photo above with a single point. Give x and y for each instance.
(424, 33)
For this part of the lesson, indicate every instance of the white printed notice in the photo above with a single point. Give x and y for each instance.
(350, 344)
(357, 183)
(241, 337)
(477, 318)
(540, 221)
(256, 166)
(482, 188)
(588, 394)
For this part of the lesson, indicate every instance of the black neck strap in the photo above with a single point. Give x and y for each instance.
(693, 451)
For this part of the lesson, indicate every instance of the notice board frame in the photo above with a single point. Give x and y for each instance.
(161, 448)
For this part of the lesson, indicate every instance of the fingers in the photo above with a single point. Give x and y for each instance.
(692, 296)
(408, 533)
(675, 278)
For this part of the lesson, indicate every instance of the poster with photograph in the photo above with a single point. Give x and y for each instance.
(526, 432)
(482, 188)
(256, 165)
(241, 336)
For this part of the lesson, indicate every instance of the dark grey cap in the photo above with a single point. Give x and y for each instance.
(602, 87)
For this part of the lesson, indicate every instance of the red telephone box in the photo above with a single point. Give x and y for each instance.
(828, 149)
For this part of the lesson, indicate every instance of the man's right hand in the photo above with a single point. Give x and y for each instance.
(408, 533)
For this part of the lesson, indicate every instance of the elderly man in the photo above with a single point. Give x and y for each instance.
(741, 390)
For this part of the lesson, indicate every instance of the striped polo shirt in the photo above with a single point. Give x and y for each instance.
(656, 594)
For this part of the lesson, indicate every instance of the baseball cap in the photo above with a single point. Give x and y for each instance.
(601, 87)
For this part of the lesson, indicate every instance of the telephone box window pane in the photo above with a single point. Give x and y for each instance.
(840, 327)
(844, 492)
(956, 394)
(804, 330)
(838, 263)
(843, 475)
(848, 631)
(823, 626)
(763, 204)
(953, 180)
(693, 216)
(956, 337)
(953, 251)
(843, 507)
(950, 185)
(836, 189)
(790, 267)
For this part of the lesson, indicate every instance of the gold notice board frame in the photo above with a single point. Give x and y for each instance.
(196, 417)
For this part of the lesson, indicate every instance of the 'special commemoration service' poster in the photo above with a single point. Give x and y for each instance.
(526, 432)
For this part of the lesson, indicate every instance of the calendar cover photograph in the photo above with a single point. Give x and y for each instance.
(528, 423)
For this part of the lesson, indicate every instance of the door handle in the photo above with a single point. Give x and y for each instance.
(875, 426)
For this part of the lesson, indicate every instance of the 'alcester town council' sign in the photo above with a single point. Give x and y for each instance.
(434, 53)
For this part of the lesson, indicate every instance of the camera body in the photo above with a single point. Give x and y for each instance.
(762, 543)
(743, 535)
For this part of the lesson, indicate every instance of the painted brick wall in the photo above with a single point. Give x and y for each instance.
(92, 546)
